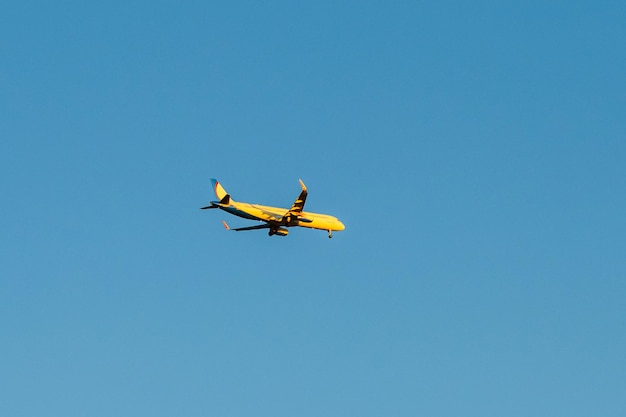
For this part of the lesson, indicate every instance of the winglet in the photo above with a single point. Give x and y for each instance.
(302, 185)
(225, 225)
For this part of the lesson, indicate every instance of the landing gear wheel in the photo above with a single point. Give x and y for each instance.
(330, 234)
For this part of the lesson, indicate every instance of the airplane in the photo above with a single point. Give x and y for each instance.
(276, 219)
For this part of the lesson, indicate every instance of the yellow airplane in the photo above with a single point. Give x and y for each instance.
(276, 219)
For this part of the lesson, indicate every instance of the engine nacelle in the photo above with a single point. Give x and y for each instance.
(279, 231)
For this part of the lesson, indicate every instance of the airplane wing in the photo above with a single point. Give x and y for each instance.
(240, 229)
(296, 209)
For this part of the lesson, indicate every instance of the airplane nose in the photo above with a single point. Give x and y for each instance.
(341, 226)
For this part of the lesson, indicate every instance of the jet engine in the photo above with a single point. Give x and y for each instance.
(279, 231)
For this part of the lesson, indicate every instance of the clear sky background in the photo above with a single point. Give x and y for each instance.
(476, 152)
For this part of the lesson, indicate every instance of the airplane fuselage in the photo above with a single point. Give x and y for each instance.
(275, 215)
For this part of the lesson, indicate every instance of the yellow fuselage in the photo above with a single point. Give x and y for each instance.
(275, 215)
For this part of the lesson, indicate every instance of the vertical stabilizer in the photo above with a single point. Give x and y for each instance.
(219, 191)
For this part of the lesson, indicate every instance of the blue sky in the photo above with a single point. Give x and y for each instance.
(474, 150)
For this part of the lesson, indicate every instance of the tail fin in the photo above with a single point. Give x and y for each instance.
(220, 192)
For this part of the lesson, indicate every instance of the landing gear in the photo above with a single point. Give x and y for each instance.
(330, 234)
